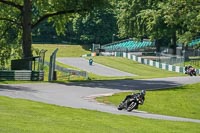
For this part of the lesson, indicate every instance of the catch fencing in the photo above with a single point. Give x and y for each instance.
(69, 72)
(154, 63)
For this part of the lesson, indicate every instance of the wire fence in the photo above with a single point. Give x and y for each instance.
(182, 58)
(170, 59)
(69, 72)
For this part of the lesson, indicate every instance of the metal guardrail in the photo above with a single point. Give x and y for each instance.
(70, 71)
(21, 75)
(174, 68)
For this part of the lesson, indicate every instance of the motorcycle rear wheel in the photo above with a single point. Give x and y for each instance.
(194, 73)
(121, 106)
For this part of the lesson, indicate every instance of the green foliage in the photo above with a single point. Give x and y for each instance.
(9, 44)
(5, 52)
(66, 9)
(26, 15)
(183, 16)
(177, 20)
(95, 21)
(130, 25)
(96, 27)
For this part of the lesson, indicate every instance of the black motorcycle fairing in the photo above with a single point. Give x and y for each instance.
(131, 102)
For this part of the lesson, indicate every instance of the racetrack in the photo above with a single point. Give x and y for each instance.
(95, 68)
(81, 95)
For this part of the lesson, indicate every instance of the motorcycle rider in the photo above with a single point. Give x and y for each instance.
(140, 96)
(187, 68)
(190, 70)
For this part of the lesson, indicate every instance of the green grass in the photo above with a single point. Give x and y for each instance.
(180, 101)
(142, 71)
(23, 116)
(63, 50)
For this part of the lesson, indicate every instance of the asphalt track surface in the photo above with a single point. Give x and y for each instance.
(95, 68)
(82, 94)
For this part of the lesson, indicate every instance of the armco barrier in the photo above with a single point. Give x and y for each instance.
(21, 75)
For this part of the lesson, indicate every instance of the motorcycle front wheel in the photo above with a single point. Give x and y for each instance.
(132, 106)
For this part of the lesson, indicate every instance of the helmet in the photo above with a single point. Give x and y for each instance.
(143, 92)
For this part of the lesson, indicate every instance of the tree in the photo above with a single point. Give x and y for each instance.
(96, 27)
(130, 25)
(27, 14)
(182, 20)
(158, 19)
(185, 15)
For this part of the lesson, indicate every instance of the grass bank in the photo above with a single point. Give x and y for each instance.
(179, 101)
(142, 71)
(24, 116)
(123, 64)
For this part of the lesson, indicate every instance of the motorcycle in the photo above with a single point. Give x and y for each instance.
(191, 71)
(131, 103)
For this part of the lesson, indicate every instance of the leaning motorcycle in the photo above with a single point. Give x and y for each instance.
(191, 72)
(131, 103)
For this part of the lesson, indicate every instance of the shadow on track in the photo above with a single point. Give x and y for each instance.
(15, 88)
(127, 84)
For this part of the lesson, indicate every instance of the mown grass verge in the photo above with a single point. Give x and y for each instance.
(17, 115)
(123, 64)
(179, 101)
(140, 70)
(23, 116)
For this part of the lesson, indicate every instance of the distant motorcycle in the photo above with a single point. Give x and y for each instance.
(190, 71)
(132, 101)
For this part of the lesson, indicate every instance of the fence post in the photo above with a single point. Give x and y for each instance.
(52, 65)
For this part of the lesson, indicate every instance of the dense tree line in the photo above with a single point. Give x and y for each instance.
(95, 21)
(97, 27)
(170, 20)
(165, 22)
(18, 18)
